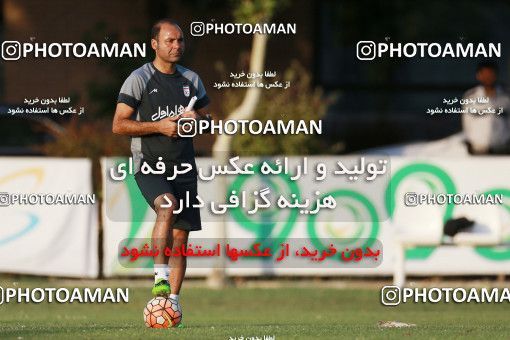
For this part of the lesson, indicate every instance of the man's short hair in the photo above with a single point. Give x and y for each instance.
(157, 27)
(491, 64)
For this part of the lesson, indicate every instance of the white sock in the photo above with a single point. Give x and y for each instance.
(174, 297)
(161, 271)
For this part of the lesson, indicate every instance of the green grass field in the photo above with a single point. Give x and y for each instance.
(286, 313)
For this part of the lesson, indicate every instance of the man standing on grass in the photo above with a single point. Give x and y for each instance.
(149, 101)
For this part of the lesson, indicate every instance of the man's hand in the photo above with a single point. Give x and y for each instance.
(190, 114)
(168, 126)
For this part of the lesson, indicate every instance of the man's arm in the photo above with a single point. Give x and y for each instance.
(124, 125)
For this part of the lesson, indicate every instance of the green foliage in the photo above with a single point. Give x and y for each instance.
(256, 11)
(298, 102)
(103, 92)
(87, 139)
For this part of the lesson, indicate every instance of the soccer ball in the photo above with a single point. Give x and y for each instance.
(162, 312)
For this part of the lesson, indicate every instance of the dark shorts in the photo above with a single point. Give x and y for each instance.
(152, 186)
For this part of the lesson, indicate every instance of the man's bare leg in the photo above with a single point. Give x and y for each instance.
(178, 263)
(178, 266)
(161, 238)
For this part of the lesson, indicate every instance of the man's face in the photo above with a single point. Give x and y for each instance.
(486, 76)
(169, 45)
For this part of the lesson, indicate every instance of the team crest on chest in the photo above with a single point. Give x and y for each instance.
(185, 88)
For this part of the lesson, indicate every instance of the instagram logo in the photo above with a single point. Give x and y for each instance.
(11, 50)
(411, 199)
(197, 28)
(4, 199)
(365, 50)
(187, 127)
(390, 295)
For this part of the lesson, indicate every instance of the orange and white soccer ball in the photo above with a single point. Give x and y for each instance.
(162, 312)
